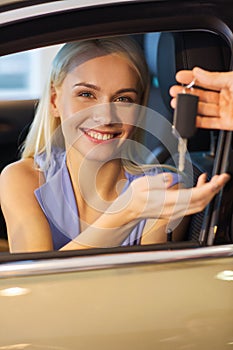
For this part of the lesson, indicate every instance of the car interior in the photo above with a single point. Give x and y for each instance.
(166, 53)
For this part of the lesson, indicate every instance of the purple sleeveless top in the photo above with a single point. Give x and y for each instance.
(57, 200)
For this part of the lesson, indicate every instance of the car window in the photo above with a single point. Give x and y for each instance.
(22, 79)
(22, 75)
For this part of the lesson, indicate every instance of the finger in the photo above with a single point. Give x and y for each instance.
(203, 194)
(212, 80)
(201, 180)
(206, 79)
(209, 123)
(175, 90)
(205, 189)
(205, 110)
(184, 76)
(219, 181)
(208, 109)
(189, 201)
(173, 103)
(209, 116)
(205, 96)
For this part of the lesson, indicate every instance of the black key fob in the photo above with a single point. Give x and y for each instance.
(184, 121)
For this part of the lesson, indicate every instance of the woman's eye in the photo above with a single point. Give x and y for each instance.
(86, 94)
(124, 99)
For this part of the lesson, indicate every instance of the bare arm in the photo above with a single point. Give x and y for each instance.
(27, 227)
(146, 197)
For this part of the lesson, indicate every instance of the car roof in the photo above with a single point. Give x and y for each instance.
(33, 23)
(14, 10)
(20, 10)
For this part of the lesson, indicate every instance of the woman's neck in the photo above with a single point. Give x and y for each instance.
(95, 183)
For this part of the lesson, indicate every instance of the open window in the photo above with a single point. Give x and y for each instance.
(165, 53)
(167, 48)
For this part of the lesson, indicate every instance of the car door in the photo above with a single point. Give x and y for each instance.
(166, 296)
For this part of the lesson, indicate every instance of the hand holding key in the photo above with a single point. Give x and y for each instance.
(215, 107)
(184, 123)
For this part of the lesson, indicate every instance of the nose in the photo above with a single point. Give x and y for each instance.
(103, 114)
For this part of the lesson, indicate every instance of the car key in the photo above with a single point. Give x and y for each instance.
(184, 121)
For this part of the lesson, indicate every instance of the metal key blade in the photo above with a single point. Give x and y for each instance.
(182, 149)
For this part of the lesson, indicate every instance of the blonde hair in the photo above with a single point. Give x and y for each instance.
(39, 138)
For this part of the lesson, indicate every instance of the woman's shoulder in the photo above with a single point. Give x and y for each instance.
(20, 166)
(20, 174)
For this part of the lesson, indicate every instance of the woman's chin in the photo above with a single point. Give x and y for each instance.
(99, 151)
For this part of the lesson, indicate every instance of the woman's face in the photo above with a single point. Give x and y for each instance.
(96, 105)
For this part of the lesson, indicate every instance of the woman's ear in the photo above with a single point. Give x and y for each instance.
(54, 110)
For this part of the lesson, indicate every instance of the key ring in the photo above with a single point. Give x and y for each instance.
(188, 86)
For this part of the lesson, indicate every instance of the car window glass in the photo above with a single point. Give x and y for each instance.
(22, 75)
(22, 78)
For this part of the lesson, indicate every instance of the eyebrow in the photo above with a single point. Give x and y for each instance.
(128, 90)
(88, 85)
(97, 88)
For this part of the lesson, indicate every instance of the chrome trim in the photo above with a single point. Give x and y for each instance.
(52, 7)
(106, 261)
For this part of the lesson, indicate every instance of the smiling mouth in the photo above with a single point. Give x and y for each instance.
(100, 136)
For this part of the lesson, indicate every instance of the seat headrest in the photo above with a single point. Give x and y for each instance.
(151, 42)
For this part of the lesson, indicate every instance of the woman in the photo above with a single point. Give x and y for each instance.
(77, 185)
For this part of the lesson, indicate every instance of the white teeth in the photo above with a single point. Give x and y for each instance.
(99, 136)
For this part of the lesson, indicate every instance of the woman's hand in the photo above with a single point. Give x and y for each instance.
(215, 108)
(151, 197)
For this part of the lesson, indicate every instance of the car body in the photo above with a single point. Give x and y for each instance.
(167, 296)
